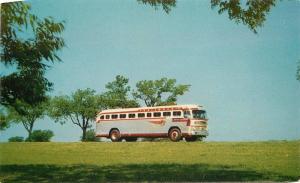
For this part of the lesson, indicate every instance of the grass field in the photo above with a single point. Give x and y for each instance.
(150, 161)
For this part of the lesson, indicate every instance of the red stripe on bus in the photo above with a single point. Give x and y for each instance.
(142, 135)
(149, 110)
(118, 112)
(180, 120)
(173, 119)
(126, 119)
(177, 119)
(188, 122)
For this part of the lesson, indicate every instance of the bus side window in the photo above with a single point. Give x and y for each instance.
(157, 114)
(122, 115)
(141, 115)
(149, 115)
(114, 116)
(131, 115)
(102, 117)
(166, 114)
(186, 114)
(107, 117)
(176, 113)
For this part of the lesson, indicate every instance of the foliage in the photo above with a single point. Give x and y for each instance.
(3, 120)
(27, 45)
(80, 108)
(166, 4)
(16, 139)
(29, 84)
(150, 161)
(40, 136)
(252, 14)
(159, 92)
(117, 94)
(298, 71)
(28, 117)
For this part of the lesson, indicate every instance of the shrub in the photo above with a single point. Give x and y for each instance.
(40, 136)
(91, 136)
(16, 139)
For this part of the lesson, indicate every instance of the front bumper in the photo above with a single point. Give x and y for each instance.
(199, 133)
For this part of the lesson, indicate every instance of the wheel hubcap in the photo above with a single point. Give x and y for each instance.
(114, 136)
(175, 135)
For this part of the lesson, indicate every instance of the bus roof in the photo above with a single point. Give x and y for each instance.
(145, 109)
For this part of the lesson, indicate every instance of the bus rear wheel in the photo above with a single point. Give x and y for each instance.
(115, 135)
(191, 138)
(175, 135)
(131, 139)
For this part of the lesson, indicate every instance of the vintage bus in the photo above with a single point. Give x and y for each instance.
(176, 122)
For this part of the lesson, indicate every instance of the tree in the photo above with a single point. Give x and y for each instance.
(159, 92)
(116, 95)
(80, 108)
(3, 120)
(27, 55)
(29, 116)
(251, 13)
(167, 5)
(40, 136)
(298, 71)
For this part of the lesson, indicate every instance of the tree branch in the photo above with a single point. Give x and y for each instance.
(87, 121)
(25, 126)
(31, 125)
(83, 121)
(78, 120)
(74, 121)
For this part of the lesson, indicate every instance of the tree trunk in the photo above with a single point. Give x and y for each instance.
(30, 131)
(83, 138)
(29, 128)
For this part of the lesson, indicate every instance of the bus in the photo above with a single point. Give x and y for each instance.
(175, 122)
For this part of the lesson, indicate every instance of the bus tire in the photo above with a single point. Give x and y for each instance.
(115, 135)
(131, 139)
(191, 138)
(174, 134)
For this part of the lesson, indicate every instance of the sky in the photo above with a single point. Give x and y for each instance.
(246, 81)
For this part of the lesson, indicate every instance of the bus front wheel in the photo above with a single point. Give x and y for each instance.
(115, 135)
(175, 135)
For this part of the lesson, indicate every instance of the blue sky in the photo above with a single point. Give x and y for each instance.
(246, 81)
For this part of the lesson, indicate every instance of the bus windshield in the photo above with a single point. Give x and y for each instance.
(199, 114)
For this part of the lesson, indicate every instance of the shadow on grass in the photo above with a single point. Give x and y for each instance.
(133, 172)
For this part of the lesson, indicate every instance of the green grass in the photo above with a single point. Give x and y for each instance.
(150, 161)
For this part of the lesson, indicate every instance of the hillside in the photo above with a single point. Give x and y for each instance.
(150, 161)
